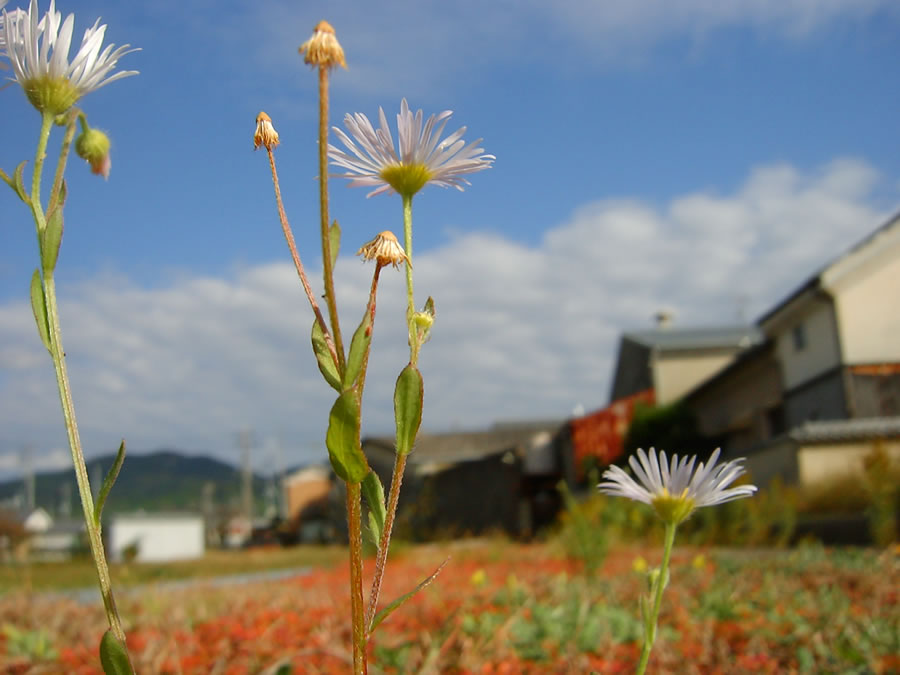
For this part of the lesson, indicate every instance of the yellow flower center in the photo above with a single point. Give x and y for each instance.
(673, 508)
(406, 179)
(54, 95)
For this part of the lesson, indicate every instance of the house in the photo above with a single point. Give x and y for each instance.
(796, 404)
(156, 537)
(671, 361)
(598, 438)
(45, 537)
(476, 481)
(306, 498)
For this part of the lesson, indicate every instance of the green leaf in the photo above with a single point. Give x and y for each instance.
(19, 183)
(334, 241)
(359, 349)
(51, 238)
(342, 439)
(108, 482)
(408, 408)
(61, 197)
(396, 604)
(114, 656)
(373, 491)
(39, 307)
(327, 366)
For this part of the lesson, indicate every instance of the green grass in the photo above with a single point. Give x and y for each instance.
(80, 572)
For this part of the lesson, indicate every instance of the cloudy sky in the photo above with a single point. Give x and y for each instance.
(700, 157)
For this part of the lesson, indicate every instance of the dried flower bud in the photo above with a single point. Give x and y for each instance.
(384, 249)
(265, 133)
(323, 48)
(92, 145)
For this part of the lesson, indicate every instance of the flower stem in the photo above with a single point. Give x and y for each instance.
(410, 300)
(81, 474)
(39, 155)
(659, 587)
(354, 523)
(327, 266)
(295, 256)
(385, 543)
(73, 116)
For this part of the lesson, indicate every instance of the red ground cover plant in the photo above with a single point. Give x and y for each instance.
(505, 608)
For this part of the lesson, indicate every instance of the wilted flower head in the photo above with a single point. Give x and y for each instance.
(38, 50)
(384, 249)
(265, 133)
(674, 489)
(422, 156)
(323, 48)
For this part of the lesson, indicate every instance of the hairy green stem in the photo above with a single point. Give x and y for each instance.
(58, 354)
(73, 116)
(81, 474)
(357, 609)
(410, 299)
(650, 622)
(39, 155)
(327, 267)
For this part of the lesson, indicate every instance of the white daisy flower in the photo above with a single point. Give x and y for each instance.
(422, 156)
(673, 488)
(2, 36)
(38, 50)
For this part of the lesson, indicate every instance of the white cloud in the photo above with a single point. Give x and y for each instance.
(521, 331)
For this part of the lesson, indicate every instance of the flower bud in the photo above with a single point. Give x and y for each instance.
(92, 145)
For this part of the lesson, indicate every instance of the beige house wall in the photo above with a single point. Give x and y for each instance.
(676, 374)
(821, 352)
(303, 489)
(869, 313)
(818, 463)
(740, 402)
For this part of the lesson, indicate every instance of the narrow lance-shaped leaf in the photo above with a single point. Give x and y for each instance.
(334, 241)
(408, 408)
(342, 439)
(374, 494)
(326, 363)
(396, 604)
(39, 307)
(61, 197)
(113, 656)
(51, 238)
(359, 347)
(108, 482)
(19, 183)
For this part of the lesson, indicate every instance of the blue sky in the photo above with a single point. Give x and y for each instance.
(702, 157)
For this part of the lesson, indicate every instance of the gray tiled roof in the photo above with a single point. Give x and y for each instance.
(863, 428)
(468, 445)
(698, 338)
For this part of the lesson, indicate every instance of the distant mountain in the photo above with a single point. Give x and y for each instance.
(165, 480)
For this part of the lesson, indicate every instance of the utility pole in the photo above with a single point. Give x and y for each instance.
(245, 442)
(28, 477)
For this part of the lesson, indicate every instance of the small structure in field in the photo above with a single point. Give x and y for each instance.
(156, 537)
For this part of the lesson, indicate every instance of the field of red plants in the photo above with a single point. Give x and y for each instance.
(500, 608)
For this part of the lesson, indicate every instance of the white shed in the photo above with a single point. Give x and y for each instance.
(157, 537)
